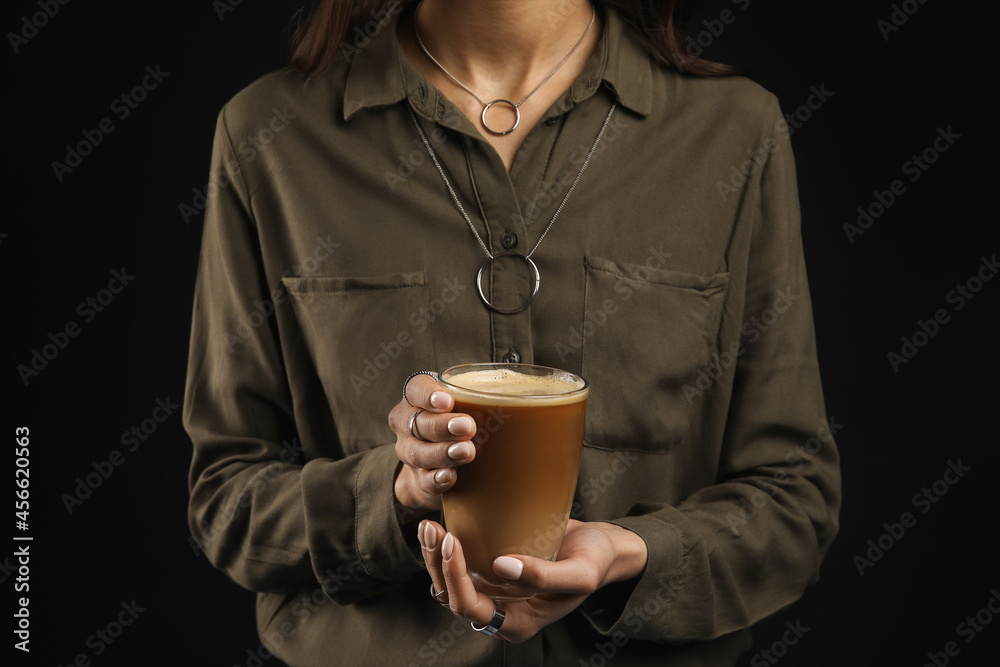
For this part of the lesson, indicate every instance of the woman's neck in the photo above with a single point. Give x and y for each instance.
(501, 48)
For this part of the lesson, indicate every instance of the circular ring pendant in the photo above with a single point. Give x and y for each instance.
(534, 291)
(517, 117)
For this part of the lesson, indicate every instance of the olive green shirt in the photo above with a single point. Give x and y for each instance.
(335, 263)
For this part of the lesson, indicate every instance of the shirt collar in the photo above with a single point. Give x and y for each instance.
(380, 74)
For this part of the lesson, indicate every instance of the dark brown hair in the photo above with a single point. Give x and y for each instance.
(324, 33)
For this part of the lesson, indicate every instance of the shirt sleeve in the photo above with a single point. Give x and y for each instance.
(743, 548)
(272, 522)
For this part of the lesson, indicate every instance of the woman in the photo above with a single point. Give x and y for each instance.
(634, 218)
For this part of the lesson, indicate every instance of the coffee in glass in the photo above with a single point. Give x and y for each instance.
(515, 496)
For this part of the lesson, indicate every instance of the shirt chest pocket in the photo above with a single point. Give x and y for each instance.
(659, 330)
(362, 345)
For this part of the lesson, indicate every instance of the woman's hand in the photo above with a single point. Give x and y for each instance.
(444, 442)
(591, 556)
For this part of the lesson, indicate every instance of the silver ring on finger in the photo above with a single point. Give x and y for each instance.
(493, 627)
(413, 423)
(407, 381)
(437, 596)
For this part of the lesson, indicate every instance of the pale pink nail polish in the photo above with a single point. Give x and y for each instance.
(430, 537)
(420, 532)
(448, 547)
(460, 426)
(459, 450)
(508, 568)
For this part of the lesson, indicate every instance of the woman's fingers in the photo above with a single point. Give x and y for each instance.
(430, 441)
(431, 535)
(584, 559)
(428, 435)
(571, 576)
(465, 601)
(419, 489)
(432, 404)
(583, 562)
(423, 391)
(430, 427)
(446, 564)
(434, 455)
(428, 470)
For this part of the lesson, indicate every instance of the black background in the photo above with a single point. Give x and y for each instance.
(120, 208)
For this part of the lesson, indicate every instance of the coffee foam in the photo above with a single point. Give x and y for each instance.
(504, 385)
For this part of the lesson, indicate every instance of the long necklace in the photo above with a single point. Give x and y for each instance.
(502, 102)
(491, 257)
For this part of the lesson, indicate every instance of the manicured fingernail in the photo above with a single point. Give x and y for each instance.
(447, 547)
(508, 568)
(430, 538)
(443, 475)
(420, 532)
(460, 426)
(459, 450)
(440, 400)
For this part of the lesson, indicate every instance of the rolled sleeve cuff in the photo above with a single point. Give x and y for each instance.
(382, 547)
(648, 606)
(354, 525)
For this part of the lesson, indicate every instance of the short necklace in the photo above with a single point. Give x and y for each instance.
(513, 105)
(491, 256)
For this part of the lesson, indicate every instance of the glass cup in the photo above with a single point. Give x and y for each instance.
(515, 497)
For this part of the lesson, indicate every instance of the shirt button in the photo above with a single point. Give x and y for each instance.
(552, 121)
(508, 240)
(512, 357)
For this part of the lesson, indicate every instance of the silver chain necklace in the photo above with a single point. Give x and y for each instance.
(513, 105)
(537, 279)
